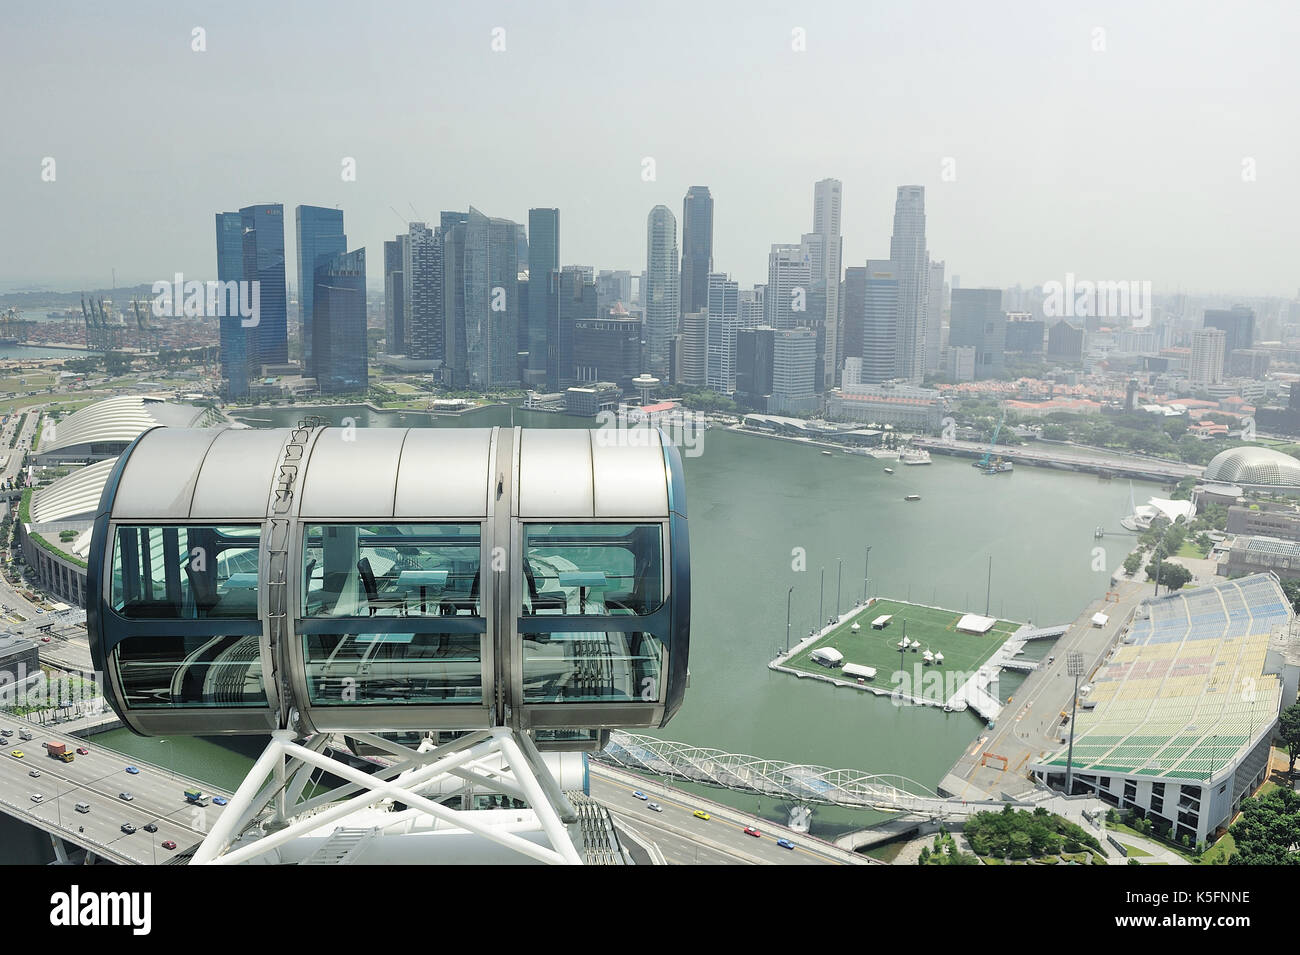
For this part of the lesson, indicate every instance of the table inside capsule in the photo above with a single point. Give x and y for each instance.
(585, 581)
(425, 581)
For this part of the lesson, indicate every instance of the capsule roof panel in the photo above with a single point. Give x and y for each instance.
(624, 474)
(236, 473)
(444, 473)
(160, 475)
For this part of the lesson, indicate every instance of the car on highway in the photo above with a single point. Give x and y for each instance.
(17, 754)
(751, 831)
(785, 843)
(169, 844)
(82, 751)
(133, 771)
(701, 814)
(150, 827)
(34, 773)
(128, 828)
(46, 639)
(126, 796)
(640, 795)
(219, 800)
(37, 797)
(6, 732)
(654, 807)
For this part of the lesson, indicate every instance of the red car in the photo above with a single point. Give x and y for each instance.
(169, 844)
(82, 751)
(751, 831)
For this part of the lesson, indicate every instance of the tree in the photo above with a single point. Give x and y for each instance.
(1268, 832)
(1289, 730)
(1172, 576)
(1133, 562)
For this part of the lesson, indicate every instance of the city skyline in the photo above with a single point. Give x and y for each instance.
(1194, 201)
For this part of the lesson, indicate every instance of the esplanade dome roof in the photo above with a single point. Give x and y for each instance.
(1254, 465)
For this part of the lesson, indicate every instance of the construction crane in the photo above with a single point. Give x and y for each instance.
(988, 464)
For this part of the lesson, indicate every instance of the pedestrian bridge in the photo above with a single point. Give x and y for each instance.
(799, 783)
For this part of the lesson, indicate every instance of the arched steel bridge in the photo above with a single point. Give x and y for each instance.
(799, 783)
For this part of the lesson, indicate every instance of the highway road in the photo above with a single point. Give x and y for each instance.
(686, 840)
(97, 779)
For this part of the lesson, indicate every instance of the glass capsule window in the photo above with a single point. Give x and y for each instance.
(592, 667)
(391, 570)
(592, 569)
(192, 670)
(185, 572)
(350, 669)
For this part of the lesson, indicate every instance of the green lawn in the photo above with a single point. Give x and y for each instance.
(935, 629)
(1134, 852)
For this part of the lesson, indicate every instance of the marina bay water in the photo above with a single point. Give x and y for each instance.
(758, 509)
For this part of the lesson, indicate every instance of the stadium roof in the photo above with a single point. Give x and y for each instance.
(71, 498)
(122, 419)
(1186, 693)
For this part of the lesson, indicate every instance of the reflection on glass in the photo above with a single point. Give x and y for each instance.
(591, 667)
(390, 570)
(392, 668)
(592, 569)
(172, 572)
(190, 671)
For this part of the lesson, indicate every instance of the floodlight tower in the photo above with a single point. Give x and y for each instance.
(1074, 667)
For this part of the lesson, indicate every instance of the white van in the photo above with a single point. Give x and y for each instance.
(83, 807)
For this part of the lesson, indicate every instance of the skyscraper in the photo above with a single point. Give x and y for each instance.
(880, 316)
(576, 303)
(826, 223)
(724, 322)
(394, 297)
(693, 349)
(320, 238)
(1237, 324)
(422, 266)
(789, 283)
(480, 272)
(263, 225)
(339, 323)
(543, 263)
(662, 291)
(233, 337)
(934, 318)
(908, 252)
(1209, 346)
(697, 248)
(979, 322)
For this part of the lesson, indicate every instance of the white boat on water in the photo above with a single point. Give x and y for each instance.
(915, 456)
(889, 470)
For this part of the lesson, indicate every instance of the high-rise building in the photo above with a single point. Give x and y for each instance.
(751, 306)
(693, 345)
(724, 322)
(422, 269)
(1064, 341)
(908, 252)
(794, 371)
(853, 300)
(320, 238)
(755, 348)
(263, 225)
(232, 336)
(480, 276)
(697, 248)
(576, 303)
(1209, 347)
(934, 318)
(882, 286)
(543, 265)
(789, 284)
(978, 321)
(1025, 335)
(394, 297)
(1237, 324)
(826, 223)
(611, 288)
(661, 290)
(339, 323)
(607, 348)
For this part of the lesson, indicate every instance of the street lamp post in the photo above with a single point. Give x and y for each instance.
(866, 574)
(788, 597)
(821, 603)
(839, 586)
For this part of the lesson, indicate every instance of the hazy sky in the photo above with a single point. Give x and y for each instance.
(1123, 163)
